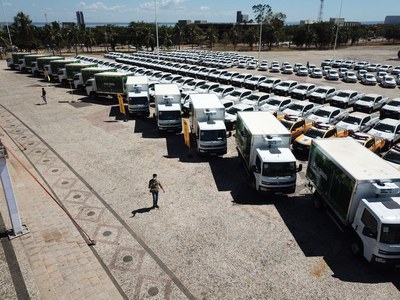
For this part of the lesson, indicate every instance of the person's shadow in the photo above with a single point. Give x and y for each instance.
(141, 210)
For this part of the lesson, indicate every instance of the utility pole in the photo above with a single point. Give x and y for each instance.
(8, 29)
(260, 38)
(338, 24)
(155, 18)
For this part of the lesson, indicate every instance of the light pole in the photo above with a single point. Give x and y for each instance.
(338, 24)
(155, 17)
(8, 29)
(260, 38)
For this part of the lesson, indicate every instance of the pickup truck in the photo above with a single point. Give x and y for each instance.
(295, 124)
(345, 98)
(303, 142)
(370, 102)
(376, 145)
(391, 109)
(358, 121)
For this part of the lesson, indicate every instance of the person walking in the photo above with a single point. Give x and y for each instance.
(44, 96)
(154, 186)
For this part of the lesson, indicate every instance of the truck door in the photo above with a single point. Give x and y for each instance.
(366, 226)
(258, 171)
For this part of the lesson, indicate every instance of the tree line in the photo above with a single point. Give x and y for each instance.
(141, 35)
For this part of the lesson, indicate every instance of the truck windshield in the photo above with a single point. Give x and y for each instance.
(314, 133)
(279, 169)
(352, 120)
(169, 115)
(138, 100)
(384, 128)
(393, 157)
(390, 234)
(212, 135)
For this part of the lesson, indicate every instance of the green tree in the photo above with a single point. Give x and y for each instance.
(54, 36)
(23, 31)
(234, 36)
(211, 36)
(193, 33)
(251, 37)
(178, 35)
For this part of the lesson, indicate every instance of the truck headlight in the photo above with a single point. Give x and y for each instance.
(380, 260)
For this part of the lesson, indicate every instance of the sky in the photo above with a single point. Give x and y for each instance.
(210, 10)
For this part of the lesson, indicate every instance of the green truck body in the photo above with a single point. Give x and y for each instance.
(74, 68)
(88, 73)
(111, 83)
(29, 59)
(43, 61)
(55, 65)
(16, 56)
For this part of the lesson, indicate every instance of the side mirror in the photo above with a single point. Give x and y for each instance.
(300, 168)
(255, 169)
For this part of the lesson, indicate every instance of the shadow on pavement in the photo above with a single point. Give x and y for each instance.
(141, 211)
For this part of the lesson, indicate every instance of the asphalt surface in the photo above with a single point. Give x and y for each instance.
(213, 237)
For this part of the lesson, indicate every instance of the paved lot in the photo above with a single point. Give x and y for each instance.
(212, 238)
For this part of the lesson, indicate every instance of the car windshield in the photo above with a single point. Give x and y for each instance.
(218, 90)
(390, 234)
(232, 110)
(367, 99)
(235, 94)
(320, 91)
(314, 133)
(322, 113)
(279, 169)
(138, 100)
(212, 135)
(301, 87)
(253, 98)
(287, 124)
(284, 84)
(343, 94)
(204, 86)
(296, 107)
(393, 157)
(191, 83)
(352, 120)
(394, 103)
(169, 115)
(384, 128)
(274, 102)
(239, 77)
(253, 79)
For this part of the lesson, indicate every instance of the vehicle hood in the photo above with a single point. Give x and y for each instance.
(318, 119)
(388, 136)
(304, 140)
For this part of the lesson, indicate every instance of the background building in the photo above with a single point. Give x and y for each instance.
(241, 18)
(79, 18)
(392, 20)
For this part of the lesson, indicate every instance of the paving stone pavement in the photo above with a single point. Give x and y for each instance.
(62, 263)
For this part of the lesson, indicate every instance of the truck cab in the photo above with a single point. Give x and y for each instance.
(168, 107)
(207, 124)
(139, 100)
(263, 145)
(377, 226)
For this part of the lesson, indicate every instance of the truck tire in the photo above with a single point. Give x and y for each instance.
(317, 201)
(357, 247)
(398, 54)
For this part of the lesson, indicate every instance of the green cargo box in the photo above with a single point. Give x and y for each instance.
(29, 59)
(17, 55)
(42, 61)
(74, 68)
(55, 65)
(111, 82)
(88, 73)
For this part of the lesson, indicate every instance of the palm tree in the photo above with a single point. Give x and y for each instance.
(178, 34)
(193, 32)
(251, 37)
(23, 31)
(53, 33)
(88, 38)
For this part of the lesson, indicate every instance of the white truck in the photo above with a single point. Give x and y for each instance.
(263, 144)
(168, 107)
(361, 193)
(138, 95)
(207, 124)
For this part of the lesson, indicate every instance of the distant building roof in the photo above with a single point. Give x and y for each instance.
(392, 20)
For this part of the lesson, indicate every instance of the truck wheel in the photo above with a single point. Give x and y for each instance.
(357, 247)
(317, 202)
